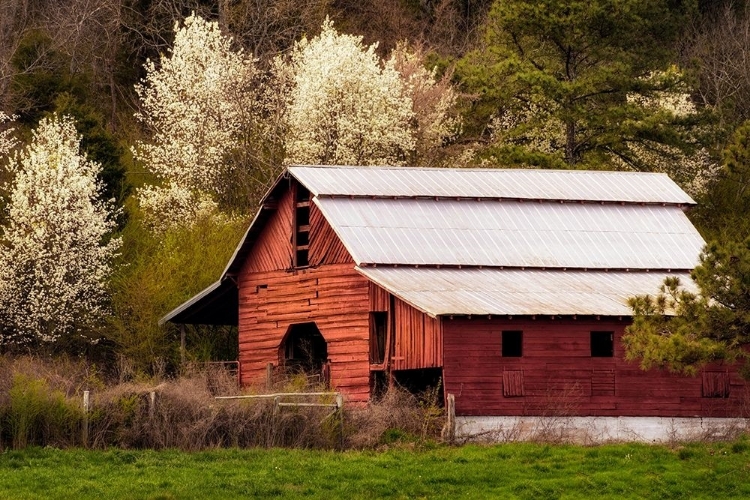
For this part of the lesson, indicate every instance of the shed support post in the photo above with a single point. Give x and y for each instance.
(182, 344)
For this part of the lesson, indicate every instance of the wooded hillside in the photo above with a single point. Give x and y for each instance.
(161, 123)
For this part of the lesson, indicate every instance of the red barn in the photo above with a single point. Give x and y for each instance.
(509, 285)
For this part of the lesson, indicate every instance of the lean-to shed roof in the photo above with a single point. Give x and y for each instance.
(443, 292)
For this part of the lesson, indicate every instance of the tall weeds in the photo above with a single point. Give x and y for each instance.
(41, 404)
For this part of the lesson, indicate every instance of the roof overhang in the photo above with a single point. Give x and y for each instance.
(217, 304)
(516, 292)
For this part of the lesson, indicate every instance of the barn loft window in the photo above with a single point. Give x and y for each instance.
(602, 344)
(301, 239)
(512, 344)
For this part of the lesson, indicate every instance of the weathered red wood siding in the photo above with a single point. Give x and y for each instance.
(329, 292)
(325, 246)
(273, 248)
(557, 375)
(380, 300)
(418, 339)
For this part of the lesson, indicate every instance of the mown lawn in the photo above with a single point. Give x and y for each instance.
(720, 470)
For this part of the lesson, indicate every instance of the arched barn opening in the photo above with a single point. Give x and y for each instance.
(304, 350)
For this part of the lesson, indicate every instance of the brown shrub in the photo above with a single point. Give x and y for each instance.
(41, 404)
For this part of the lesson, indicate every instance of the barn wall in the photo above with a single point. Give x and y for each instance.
(330, 293)
(335, 297)
(557, 376)
(418, 339)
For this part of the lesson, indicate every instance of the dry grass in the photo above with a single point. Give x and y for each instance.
(183, 413)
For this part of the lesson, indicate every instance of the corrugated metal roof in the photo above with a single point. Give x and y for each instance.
(513, 234)
(631, 187)
(441, 292)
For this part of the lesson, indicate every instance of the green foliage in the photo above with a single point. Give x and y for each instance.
(38, 415)
(559, 79)
(158, 273)
(44, 84)
(722, 213)
(710, 326)
(98, 143)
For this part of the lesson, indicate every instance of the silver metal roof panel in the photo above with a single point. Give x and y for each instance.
(605, 186)
(442, 292)
(513, 234)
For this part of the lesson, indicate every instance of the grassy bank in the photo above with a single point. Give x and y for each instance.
(716, 470)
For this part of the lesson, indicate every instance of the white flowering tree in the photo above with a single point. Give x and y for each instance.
(433, 99)
(196, 103)
(55, 257)
(6, 139)
(344, 106)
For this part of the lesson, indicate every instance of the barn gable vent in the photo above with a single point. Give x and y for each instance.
(301, 236)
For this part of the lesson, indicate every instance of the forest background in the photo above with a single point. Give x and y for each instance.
(137, 137)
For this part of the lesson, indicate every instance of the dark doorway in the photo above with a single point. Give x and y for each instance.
(426, 383)
(304, 349)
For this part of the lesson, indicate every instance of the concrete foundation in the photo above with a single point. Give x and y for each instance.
(593, 430)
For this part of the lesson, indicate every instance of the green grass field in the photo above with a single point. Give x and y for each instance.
(716, 471)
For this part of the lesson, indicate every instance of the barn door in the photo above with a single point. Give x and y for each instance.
(304, 350)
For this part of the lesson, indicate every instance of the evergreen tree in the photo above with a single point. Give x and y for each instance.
(560, 82)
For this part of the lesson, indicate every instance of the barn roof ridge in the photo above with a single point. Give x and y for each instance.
(501, 199)
(488, 183)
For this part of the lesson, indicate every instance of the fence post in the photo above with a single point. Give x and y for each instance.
(449, 431)
(340, 405)
(274, 417)
(269, 375)
(86, 405)
(151, 404)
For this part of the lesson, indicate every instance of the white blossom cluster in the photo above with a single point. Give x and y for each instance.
(345, 107)
(172, 206)
(195, 101)
(54, 261)
(534, 125)
(694, 172)
(432, 100)
(7, 143)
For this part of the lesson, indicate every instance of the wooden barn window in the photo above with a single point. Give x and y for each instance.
(512, 343)
(301, 235)
(602, 344)
(603, 383)
(715, 385)
(513, 383)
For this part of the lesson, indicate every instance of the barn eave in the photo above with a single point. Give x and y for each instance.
(217, 304)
